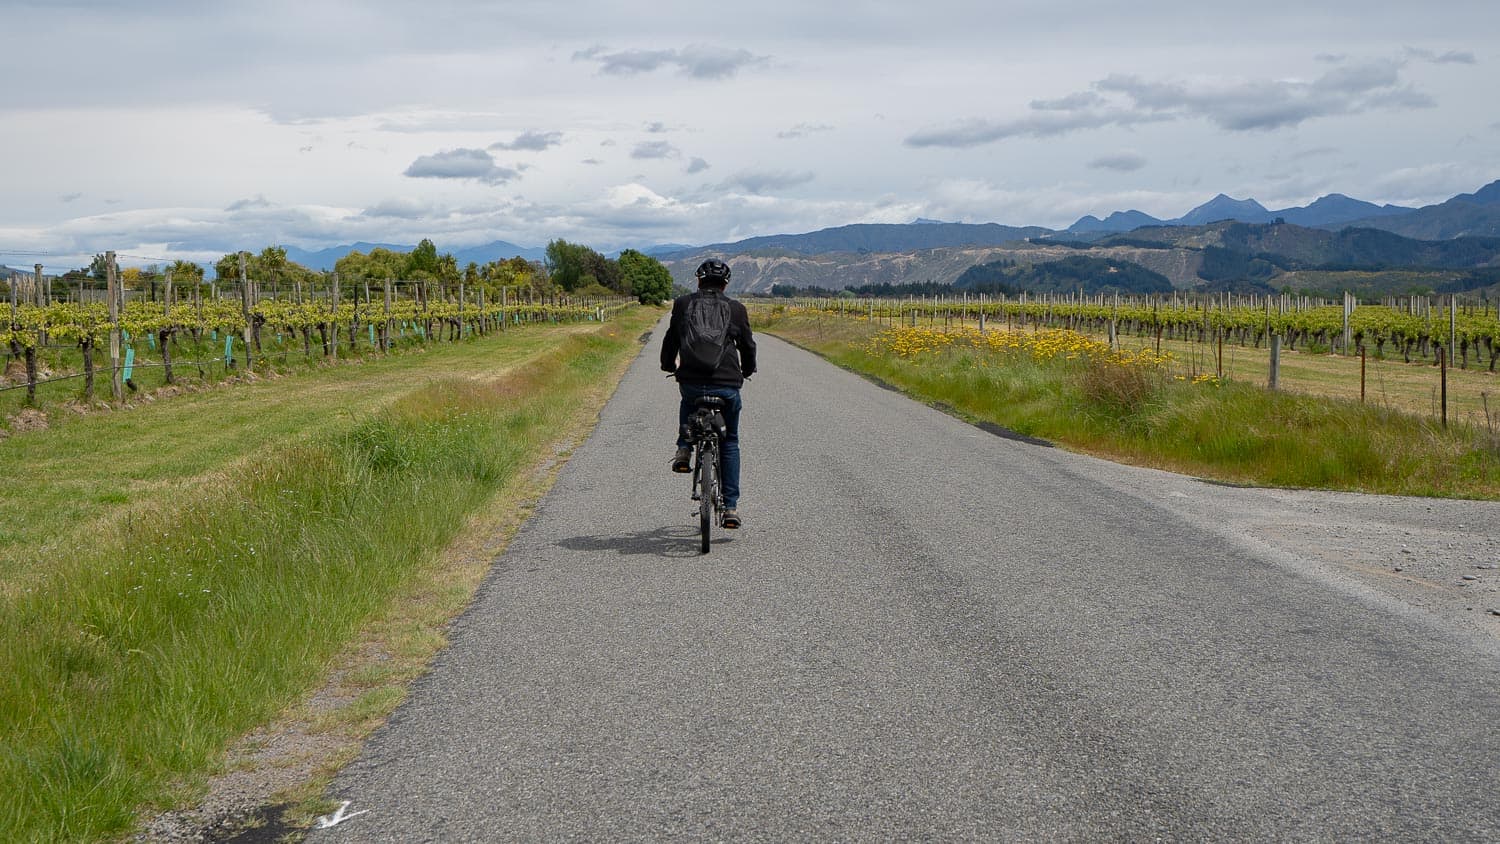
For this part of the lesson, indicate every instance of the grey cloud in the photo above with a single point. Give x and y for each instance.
(71, 197)
(1072, 102)
(257, 201)
(697, 165)
(802, 130)
(654, 149)
(465, 122)
(1124, 162)
(1040, 125)
(1237, 106)
(400, 209)
(761, 181)
(531, 140)
(705, 62)
(700, 61)
(1449, 57)
(1330, 58)
(460, 164)
(592, 161)
(657, 127)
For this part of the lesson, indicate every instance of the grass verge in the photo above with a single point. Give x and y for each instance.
(132, 666)
(1224, 430)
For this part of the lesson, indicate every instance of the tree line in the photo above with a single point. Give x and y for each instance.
(569, 268)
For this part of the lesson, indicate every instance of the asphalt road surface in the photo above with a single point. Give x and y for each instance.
(924, 631)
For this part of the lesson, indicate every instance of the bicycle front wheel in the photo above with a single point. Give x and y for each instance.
(708, 487)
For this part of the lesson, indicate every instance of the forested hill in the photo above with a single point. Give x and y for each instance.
(874, 237)
(1091, 275)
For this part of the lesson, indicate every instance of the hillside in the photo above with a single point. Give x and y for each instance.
(1070, 274)
(757, 272)
(874, 237)
(1289, 246)
(1466, 215)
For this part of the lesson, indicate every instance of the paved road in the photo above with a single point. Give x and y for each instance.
(924, 631)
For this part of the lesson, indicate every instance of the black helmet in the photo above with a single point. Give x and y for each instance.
(713, 271)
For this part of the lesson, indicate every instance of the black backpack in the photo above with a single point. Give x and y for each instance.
(705, 333)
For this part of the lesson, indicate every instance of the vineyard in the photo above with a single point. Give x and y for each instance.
(1432, 358)
(1414, 330)
(210, 333)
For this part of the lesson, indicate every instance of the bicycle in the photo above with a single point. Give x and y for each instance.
(705, 431)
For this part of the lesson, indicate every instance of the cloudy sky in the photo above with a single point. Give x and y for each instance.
(181, 128)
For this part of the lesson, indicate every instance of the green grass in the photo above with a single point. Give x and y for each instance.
(131, 664)
(57, 485)
(1234, 432)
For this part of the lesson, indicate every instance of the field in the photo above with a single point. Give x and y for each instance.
(175, 573)
(1170, 409)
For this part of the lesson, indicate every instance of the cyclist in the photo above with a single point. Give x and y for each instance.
(710, 349)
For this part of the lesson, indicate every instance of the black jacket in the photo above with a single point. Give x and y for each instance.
(734, 368)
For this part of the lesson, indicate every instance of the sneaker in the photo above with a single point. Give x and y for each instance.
(731, 519)
(682, 461)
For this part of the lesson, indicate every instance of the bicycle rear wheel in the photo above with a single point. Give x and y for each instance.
(708, 487)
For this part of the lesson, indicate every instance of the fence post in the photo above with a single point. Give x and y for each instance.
(112, 293)
(1275, 360)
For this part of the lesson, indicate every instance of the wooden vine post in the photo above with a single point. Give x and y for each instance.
(1275, 381)
(333, 319)
(245, 305)
(385, 337)
(112, 294)
(164, 336)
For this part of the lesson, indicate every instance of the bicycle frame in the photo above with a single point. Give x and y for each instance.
(704, 430)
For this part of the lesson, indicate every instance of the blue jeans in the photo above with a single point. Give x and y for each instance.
(730, 448)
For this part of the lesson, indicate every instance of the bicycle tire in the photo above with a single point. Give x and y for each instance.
(707, 488)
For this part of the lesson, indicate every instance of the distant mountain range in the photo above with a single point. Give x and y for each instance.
(1475, 213)
(499, 250)
(1327, 211)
